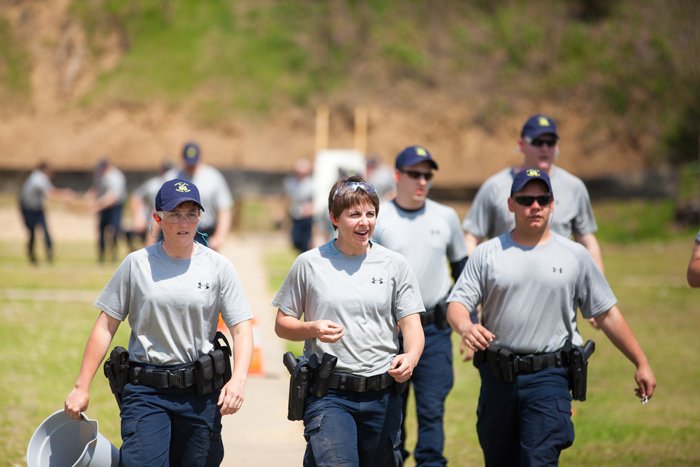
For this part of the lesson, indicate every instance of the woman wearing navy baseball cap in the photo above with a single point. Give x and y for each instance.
(178, 382)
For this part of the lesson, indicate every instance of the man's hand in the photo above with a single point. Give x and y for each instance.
(476, 337)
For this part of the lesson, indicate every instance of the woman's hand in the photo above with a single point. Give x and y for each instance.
(327, 331)
(76, 402)
(231, 397)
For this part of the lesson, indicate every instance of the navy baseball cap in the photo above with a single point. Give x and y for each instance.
(523, 177)
(413, 155)
(174, 192)
(191, 154)
(538, 125)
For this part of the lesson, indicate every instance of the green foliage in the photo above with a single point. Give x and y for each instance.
(632, 221)
(14, 67)
(634, 62)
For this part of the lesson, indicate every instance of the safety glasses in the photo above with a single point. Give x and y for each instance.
(175, 217)
(414, 174)
(351, 187)
(538, 143)
(542, 200)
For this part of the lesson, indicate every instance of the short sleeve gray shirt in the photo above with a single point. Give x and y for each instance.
(173, 305)
(366, 294)
(529, 296)
(213, 192)
(427, 238)
(300, 194)
(34, 190)
(489, 215)
(112, 181)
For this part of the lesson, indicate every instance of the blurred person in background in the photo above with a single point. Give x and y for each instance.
(36, 189)
(215, 193)
(106, 198)
(298, 202)
(694, 266)
(142, 201)
(381, 177)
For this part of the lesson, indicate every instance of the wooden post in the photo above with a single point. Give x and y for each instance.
(361, 119)
(322, 114)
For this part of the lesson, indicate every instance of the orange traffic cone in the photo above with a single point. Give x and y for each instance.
(256, 364)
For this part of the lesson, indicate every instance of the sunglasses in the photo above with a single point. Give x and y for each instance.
(416, 175)
(542, 200)
(351, 187)
(539, 142)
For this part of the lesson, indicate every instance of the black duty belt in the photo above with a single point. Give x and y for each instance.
(349, 382)
(536, 362)
(180, 377)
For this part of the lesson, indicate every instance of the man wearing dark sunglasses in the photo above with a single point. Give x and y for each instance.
(489, 216)
(530, 283)
(428, 235)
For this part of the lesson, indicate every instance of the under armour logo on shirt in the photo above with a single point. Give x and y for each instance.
(377, 281)
(204, 285)
(434, 232)
(561, 271)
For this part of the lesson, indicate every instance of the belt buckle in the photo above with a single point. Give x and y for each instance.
(362, 384)
(175, 379)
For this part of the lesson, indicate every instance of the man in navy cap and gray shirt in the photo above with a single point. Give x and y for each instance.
(428, 235)
(530, 282)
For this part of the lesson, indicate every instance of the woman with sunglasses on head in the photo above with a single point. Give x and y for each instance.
(353, 295)
(530, 283)
(179, 380)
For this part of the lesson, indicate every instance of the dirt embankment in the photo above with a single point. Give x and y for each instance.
(70, 136)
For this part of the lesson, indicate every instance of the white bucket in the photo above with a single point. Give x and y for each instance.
(61, 441)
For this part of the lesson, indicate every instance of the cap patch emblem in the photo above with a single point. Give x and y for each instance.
(542, 121)
(191, 152)
(421, 152)
(533, 173)
(182, 187)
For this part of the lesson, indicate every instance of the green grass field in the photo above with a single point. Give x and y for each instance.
(47, 313)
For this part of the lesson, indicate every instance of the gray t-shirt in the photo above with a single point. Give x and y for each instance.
(300, 194)
(425, 237)
(529, 296)
(173, 305)
(489, 215)
(366, 294)
(112, 181)
(34, 190)
(213, 192)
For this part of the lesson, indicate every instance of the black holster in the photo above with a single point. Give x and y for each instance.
(440, 311)
(321, 377)
(299, 382)
(578, 369)
(213, 370)
(116, 370)
(502, 363)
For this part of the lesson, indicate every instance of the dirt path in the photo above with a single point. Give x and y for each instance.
(260, 435)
